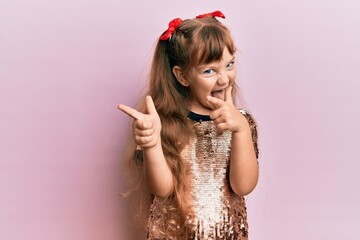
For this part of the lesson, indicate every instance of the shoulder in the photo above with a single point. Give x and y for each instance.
(253, 127)
(249, 117)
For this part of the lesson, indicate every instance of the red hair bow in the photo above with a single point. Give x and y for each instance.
(212, 14)
(173, 24)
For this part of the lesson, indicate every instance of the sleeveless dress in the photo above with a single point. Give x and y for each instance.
(219, 212)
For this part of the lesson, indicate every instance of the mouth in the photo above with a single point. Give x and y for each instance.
(218, 94)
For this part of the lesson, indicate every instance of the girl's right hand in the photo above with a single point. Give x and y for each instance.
(146, 126)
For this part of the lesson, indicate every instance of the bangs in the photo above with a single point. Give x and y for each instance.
(210, 45)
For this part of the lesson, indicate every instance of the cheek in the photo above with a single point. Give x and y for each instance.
(207, 84)
(232, 75)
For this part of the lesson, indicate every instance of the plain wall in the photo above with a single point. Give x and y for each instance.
(65, 66)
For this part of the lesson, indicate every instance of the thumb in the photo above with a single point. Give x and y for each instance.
(228, 94)
(150, 107)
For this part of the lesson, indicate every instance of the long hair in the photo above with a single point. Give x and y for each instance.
(194, 42)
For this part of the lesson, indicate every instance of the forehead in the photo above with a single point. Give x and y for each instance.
(226, 57)
(212, 50)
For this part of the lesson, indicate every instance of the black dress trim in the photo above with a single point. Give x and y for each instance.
(198, 117)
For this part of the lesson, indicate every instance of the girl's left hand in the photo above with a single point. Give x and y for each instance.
(225, 115)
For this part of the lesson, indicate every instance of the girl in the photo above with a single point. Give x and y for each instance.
(194, 154)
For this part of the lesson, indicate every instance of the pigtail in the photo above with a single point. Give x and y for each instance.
(171, 102)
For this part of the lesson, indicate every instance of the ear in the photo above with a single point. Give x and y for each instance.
(180, 76)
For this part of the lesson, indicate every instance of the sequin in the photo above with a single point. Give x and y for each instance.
(219, 212)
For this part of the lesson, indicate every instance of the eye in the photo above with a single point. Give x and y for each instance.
(208, 71)
(230, 64)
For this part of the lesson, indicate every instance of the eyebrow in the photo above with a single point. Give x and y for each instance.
(207, 65)
(233, 59)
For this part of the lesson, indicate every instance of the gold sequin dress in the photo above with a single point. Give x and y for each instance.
(219, 212)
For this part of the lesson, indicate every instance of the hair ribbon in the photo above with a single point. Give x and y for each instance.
(173, 24)
(212, 14)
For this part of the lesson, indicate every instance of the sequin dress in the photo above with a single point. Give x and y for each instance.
(219, 212)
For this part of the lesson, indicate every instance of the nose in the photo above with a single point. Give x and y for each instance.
(223, 79)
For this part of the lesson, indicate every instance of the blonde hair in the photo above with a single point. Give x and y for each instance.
(194, 42)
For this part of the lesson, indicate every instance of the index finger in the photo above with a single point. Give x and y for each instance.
(130, 111)
(218, 103)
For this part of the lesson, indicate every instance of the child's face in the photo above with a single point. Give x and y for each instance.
(210, 79)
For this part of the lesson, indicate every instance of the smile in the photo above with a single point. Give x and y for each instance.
(218, 94)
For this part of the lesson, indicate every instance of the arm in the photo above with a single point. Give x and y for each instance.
(146, 129)
(157, 173)
(244, 171)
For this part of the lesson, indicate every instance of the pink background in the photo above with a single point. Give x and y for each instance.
(65, 65)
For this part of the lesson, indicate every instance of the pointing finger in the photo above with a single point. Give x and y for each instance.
(130, 111)
(216, 102)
